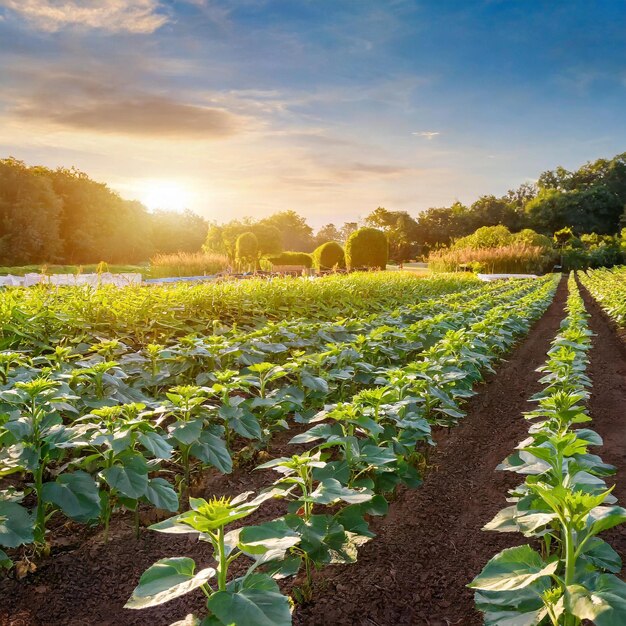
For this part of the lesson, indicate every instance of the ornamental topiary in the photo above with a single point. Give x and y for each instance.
(247, 249)
(329, 255)
(291, 258)
(367, 247)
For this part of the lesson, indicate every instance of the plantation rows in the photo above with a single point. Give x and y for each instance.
(96, 428)
(608, 287)
(117, 418)
(564, 502)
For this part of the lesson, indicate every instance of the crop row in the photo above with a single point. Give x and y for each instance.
(608, 287)
(140, 315)
(563, 505)
(95, 419)
(359, 450)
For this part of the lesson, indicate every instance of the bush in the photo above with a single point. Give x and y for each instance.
(291, 258)
(187, 264)
(367, 247)
(247, 249)
(485, 237)
(517, 258)
(329, 255)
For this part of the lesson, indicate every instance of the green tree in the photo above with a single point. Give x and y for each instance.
(30, 213)
(247, 250)
(367, 248)
(297, 235)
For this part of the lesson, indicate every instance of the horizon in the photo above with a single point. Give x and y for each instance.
(238, 108)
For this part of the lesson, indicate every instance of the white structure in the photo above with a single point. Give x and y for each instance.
(71, 280)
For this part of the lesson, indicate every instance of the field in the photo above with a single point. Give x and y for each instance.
(332, 442)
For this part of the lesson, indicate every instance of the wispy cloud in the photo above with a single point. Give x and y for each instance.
(428, 134)
(143, 115)
(134, 16)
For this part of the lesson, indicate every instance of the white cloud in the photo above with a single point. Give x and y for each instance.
(428, 134)
(134, 16)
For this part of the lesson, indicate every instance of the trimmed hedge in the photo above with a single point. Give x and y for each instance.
(367, 247)
(247, 249)
(291, 258)
(329, 254)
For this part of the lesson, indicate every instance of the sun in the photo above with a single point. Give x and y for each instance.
(168, 195)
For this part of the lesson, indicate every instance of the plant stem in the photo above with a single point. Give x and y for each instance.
(223, 566)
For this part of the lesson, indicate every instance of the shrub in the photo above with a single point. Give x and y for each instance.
(187, 264)
(247, 250)
(367, 247)
(512, 259)
(329, 255)
(485, 237)
(291, 258)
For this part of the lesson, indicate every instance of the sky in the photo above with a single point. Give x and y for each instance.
(327, 107)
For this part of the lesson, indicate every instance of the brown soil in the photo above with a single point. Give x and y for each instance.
(607, 405)
(427, 549)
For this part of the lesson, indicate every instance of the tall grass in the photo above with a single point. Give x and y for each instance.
(187, 264)
(512, 259)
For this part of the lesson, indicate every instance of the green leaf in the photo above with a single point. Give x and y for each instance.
(160, 493)
(167, 579)
(5, 561)
(604, 605)
(156, 445)
(258, 603)
(604, 517)
(601, 554)
(129, 480)
(76, 494)
(187, 432)
(331, 490)
(16, 525)
(513, 568)
(212, 449)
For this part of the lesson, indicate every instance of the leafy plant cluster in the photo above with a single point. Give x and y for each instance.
(43, 316)
(608, 287)
(111, 424)
(360, 449)
(563, 505)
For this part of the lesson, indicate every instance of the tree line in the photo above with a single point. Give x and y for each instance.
(63, 216)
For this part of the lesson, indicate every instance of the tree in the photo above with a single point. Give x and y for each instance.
(297, 235)
(247, 250)
(401, 229)
(178, 232)
(347, 229)
(367, 247)
(329, 232)
(30, 212)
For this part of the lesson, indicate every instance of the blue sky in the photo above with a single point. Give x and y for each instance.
(328, 107)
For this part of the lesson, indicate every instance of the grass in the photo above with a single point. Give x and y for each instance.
(187, 264)
(91, 268)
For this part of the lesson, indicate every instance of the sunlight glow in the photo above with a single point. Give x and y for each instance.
(166, 194)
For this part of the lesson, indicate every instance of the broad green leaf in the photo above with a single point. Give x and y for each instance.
(604, 604)
(258, 603)
(128, 480)
(330, 490)
(212, 450)
(16, 525)
(76, 494)
(602, 555)
(160, 493)
(167, 579)
(156, 445)
(603, 517)
(513, 568)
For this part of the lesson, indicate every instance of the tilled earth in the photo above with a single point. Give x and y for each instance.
(428, 547)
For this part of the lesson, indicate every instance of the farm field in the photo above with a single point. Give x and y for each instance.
(363, 415)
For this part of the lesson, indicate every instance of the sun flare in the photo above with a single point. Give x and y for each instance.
(166, 194)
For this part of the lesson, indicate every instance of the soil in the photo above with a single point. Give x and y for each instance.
(428, 547)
